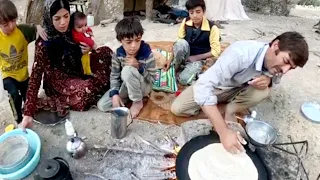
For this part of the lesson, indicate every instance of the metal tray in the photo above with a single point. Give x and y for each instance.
(311, 111)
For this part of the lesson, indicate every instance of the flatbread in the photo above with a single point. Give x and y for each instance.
(213, 162)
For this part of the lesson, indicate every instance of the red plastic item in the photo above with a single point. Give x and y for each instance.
(178, 93)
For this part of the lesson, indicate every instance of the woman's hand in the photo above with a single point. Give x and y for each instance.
(42, 32)
(27, 122)
(85, 48)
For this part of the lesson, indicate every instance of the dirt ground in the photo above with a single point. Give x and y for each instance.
(282, 109)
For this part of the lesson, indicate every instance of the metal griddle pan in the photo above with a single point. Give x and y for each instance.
(197, 143)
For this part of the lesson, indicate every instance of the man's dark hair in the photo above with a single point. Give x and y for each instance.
(294, 43)
(8, 11)
(76, 16)
(191, 4)
(128, 28)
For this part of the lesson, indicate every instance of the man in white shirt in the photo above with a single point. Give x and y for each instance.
(241, 77)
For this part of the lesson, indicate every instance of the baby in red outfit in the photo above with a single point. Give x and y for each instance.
(82, 33)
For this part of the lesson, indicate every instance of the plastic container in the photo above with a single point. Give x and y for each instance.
(69, 128)
(90, 20)
(35, 145)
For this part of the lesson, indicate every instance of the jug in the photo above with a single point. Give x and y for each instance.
(120, 120)
(90, 20)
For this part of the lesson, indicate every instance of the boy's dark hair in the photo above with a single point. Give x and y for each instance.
(294, 43)
(8, 11)
(76, 16)
(128, 28)
(191, 4)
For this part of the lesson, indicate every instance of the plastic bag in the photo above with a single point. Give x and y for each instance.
(165, 81)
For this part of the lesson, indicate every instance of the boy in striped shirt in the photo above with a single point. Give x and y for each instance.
(133, 69)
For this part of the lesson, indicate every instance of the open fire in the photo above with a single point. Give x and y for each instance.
(169, 153)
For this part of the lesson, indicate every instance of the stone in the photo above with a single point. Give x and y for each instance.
(103, 23)
(107, 9)
(274, 7)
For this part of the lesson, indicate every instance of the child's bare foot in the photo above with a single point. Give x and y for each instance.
(136, 108)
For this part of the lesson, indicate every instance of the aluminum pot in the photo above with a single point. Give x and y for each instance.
(260, 133)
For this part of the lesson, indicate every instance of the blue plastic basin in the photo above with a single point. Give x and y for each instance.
(35, 145)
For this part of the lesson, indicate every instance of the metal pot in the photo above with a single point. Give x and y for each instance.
(53, 169)
(260, 133)
(76, 147)
(120, 120)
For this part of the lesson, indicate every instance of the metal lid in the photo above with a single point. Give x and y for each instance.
(311, 111)
(48, 168)
(75, 143)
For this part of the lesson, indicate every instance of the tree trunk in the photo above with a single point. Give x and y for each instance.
(34, 12)
(149, 7)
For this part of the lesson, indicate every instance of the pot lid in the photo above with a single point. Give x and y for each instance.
(48, 168)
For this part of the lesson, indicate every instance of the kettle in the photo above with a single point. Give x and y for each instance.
(76, 147)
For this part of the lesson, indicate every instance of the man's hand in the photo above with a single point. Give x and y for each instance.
(27, 122)
(131, 61)
(42, 32)
(260, 82)
(232, 141)
(116, 101)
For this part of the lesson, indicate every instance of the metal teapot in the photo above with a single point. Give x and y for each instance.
(76, 147)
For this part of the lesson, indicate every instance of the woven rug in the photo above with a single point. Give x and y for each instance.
(157, 106)
(157, 109)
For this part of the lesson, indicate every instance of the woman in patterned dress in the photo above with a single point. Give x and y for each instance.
(58, 61)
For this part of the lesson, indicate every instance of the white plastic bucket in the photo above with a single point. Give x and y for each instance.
(90, 20)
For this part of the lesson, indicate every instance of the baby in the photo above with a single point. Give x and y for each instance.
(82, 33)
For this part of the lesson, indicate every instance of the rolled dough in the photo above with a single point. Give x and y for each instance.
(213, 162)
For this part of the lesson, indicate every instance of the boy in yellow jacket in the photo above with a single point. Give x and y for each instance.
(198, 40)
(14, 54)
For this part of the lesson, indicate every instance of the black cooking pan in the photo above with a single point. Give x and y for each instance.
(197, 143)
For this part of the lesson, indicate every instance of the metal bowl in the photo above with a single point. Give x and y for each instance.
(261, 133)
(311, 110)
